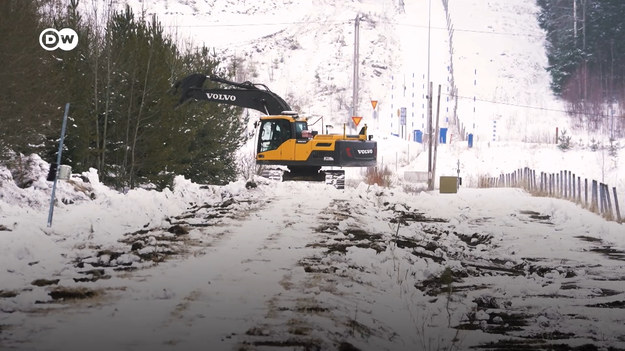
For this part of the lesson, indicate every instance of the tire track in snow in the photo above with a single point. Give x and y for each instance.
(191, 301)
(238, 277)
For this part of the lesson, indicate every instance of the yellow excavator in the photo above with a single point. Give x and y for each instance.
(283, 136)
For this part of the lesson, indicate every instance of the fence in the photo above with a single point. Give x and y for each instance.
(592, 194)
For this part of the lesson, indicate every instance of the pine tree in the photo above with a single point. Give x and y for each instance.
(122, 117)
(586, 54)
(31, 89)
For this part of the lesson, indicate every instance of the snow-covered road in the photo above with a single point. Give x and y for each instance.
(306, 267)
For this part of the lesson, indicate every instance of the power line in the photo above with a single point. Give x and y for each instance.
(212, 25)
(525, 106)
(472, 30)
(349, 21)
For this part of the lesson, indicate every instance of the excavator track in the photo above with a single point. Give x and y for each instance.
(272, 173)
(336, 178)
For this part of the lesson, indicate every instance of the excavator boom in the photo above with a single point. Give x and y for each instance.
(246, 95)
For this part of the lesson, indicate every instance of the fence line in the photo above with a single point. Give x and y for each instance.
(562, 185)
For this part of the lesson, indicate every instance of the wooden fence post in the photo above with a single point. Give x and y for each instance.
(586, 192)
(570, 192)
(601, 199)
(566, 185)
(579, 190)
(609, 202)
(595, 199)
(618, 211)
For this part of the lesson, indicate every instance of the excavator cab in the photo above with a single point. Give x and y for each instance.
(273, 133)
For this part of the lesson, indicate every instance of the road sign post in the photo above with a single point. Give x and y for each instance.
(58, 162)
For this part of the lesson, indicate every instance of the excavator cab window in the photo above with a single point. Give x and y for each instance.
(273, 133)
(300, 126)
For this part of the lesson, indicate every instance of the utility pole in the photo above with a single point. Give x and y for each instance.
(438, 112)
(575, 21)
(429, 97)
(356, 64)
(584, 49)
(430, 179)
(429, 29)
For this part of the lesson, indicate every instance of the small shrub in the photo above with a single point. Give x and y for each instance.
(613, 148)
(379, 176)
(564, 141)
(594, 145)
(24, 170)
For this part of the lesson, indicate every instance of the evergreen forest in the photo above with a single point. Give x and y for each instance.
(586, 53)
(123, 120)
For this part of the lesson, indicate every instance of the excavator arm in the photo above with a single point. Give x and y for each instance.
(248, 95)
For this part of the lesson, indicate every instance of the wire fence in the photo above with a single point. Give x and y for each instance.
(591, 194)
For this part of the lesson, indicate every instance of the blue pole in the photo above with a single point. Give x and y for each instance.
(58, 163)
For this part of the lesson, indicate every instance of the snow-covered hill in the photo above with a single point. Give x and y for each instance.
(303, 50)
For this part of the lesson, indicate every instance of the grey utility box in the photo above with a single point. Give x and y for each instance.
(65, 172)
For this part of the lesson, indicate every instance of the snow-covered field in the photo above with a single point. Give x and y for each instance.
(304, 266)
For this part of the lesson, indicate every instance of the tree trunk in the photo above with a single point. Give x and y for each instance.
(138, 123)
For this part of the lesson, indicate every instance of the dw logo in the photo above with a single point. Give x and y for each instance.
(64, 39)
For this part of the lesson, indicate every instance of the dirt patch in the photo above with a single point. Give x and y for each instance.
(329, 228)
(610, 252)
(404, 217)
(92, 275)
(495, 268)
(589, 239)
(443, 283)
(537, 216)
(353, 237)
(475, 239)
(44, 282)
(345, 346)
(537, 345)
(68, 294)
(311, 309)
(543, 270)
(612, 304)
(290, 344)
(7, 293)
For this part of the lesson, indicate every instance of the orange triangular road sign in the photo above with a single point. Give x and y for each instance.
(356, 120)
(374, 103)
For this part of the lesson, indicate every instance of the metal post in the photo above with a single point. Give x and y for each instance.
(430, 136)
(58, 162)
(429, 34)
(356, 66)
(438, 108)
